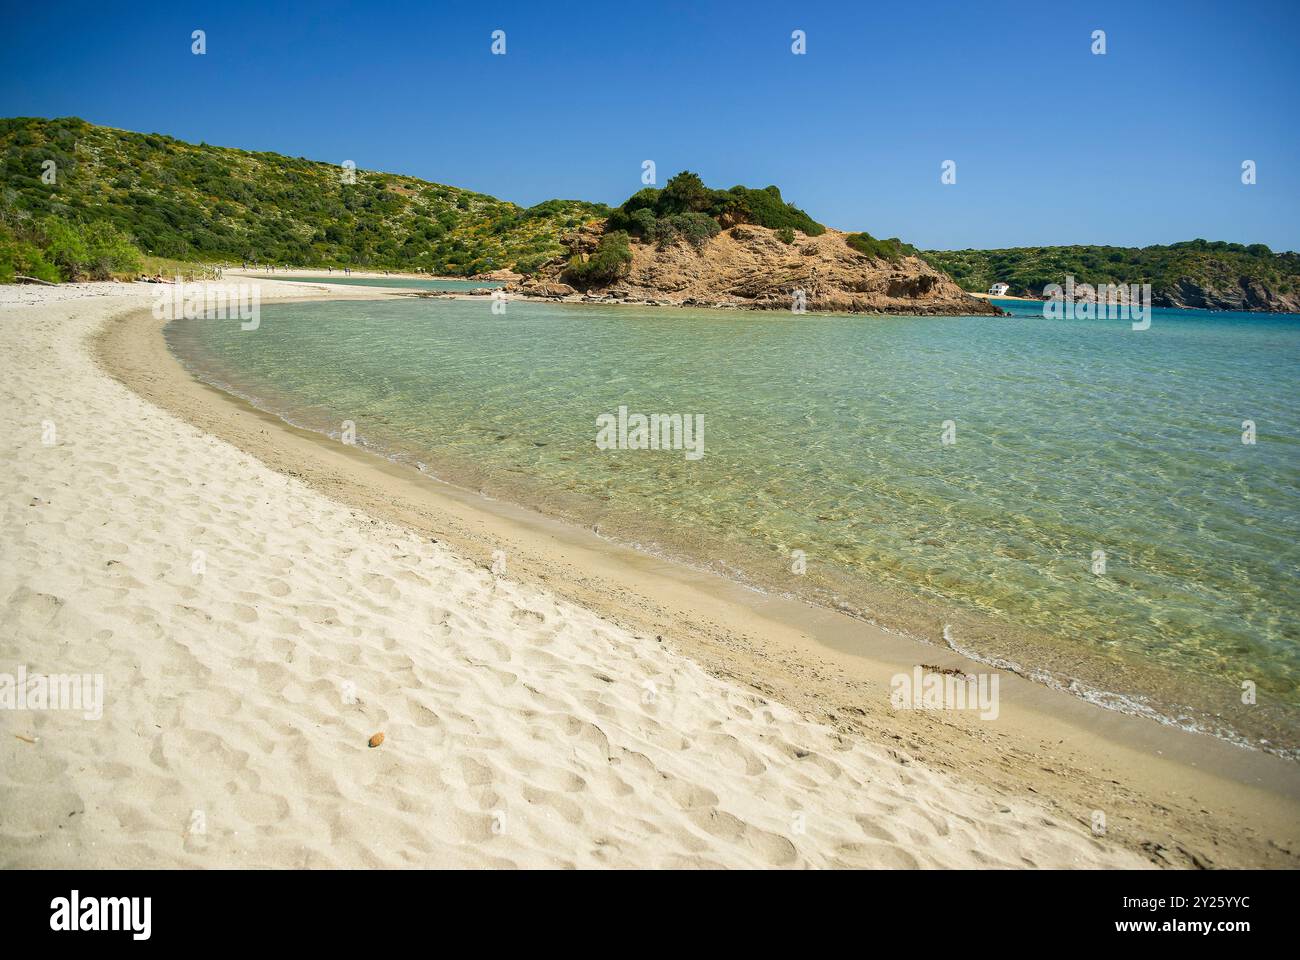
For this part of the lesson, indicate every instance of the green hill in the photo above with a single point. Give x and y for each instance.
(116, 191)
(1195, 273)
(188, 202)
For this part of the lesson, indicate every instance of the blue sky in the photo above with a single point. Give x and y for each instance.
(1052, 144)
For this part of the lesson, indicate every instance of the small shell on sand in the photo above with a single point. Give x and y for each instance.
(377, 739)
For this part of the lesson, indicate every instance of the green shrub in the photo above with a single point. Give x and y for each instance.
(529, 265)
(658, 214)
(695, 228)
(21, 258)
(109, 251)
(766, 209)
(684, 193)
(785, 235)
(54, 250)
(639, 221)
(892, 249)
(65, 248)
(643, 223)
(611, 260)
(646, 198)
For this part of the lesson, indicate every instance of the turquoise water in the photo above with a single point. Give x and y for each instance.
(823, 434)
(405, 283)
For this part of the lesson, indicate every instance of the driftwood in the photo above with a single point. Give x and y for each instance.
(47, 283)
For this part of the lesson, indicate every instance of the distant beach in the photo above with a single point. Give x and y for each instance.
(1003, 296)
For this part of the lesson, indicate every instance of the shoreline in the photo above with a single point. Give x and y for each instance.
(1169, 783)
(253, 636)
(989, 296)
(579, 297)
(1130, 685)
(289, 274)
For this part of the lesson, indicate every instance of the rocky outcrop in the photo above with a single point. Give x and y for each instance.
(750, 267)
(503, 275)
(1247, 294)
(550, 289)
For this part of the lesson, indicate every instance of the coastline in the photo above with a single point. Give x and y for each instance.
(291, 274)
(1120, 679)
(1174, 798)
(252, 637)
(545, 292)
(989, 296)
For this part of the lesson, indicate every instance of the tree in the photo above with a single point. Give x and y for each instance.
(685, 193)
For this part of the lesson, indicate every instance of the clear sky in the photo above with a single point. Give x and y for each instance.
(1052, 143)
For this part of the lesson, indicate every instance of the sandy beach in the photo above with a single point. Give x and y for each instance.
(989, 296)
(261, 600)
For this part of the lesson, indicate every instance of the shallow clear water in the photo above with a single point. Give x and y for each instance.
(824, 434)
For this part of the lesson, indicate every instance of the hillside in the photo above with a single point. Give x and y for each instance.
(116, 191)
(199, 202)
(689, 245)
(1195, 273)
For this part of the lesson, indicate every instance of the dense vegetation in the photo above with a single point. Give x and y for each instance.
(685, 209)
(610, 261)
(892, 249)
(52, 250)
(189, 202)
(1210, 265)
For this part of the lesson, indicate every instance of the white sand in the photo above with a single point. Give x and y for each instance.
(520, 729)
